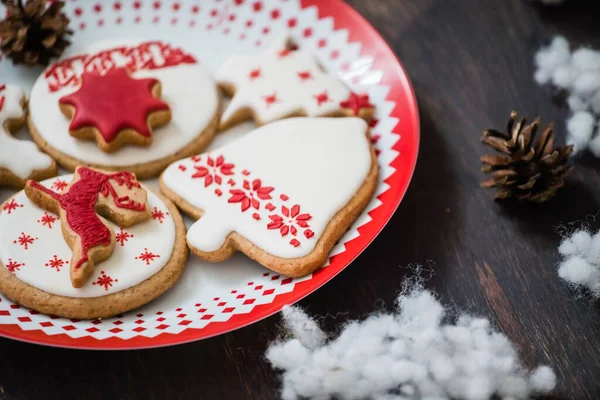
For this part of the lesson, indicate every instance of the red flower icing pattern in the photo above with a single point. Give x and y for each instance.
(247, 196)
(56, 263)
(159, 215)
(271, 99)
(304, 75)
(250, 194)
(105, 280)
(13, 266)
(213, 170)
(123, 237)
(24, 240)
(11, 206)
(147, 256)
(255, 73)
(321, 98)
(290, 219)
(47, 220)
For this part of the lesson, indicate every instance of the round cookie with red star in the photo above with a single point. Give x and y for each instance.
(135, 106)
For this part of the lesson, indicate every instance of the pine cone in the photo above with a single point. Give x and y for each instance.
(35, 32)
(527, 170)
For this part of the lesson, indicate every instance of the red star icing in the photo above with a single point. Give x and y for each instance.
(322, 98)
(113, 102)
(304, 75)
(271, 99)
(255, 73)
(357, 102)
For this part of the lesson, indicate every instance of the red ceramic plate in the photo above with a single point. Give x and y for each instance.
(213, 299)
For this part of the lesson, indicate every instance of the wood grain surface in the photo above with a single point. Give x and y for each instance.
(471, 63)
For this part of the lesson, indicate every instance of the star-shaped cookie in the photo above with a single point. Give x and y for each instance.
(284, 82)
(115, 109)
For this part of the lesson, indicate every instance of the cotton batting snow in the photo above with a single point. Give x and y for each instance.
(578, 73)
(581, 264)
(413, 353)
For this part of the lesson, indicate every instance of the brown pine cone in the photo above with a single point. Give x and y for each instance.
(34, 33)
(528, 169)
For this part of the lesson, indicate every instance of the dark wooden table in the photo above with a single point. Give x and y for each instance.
(471, 63)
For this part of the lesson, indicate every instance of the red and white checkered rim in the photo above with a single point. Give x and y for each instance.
(345, 43)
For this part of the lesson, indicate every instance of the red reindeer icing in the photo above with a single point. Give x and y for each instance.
(79, 207)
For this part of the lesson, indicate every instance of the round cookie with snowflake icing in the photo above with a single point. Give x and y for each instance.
(283, 194)
(89, 245)
(135, 106)
(19, 159)
(285, 81)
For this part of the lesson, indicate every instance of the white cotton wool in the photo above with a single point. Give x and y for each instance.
(562, 76)
(514, 386)
(542, 380)
(278, 353)
(581, 240)
(576, 103)
(593, 250)
(479, 388)
(567, 247)
(576, 270)
(443, 369)
(580, 127)
(578, 74)
(411, 353)
(585, 59)
(549, 58)
(581, 264)
(303, 327)
(587, 83)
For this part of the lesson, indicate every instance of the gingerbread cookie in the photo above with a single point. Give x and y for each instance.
(135, 106)
(284, 82)
(19, 159)
(283, 194)
(90, 245)
(84, 206)
(119, 91)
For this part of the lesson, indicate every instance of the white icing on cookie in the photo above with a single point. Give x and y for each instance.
(280, 82)
(33, 247)
(21, 157)
(278, 186)
(187, 88)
